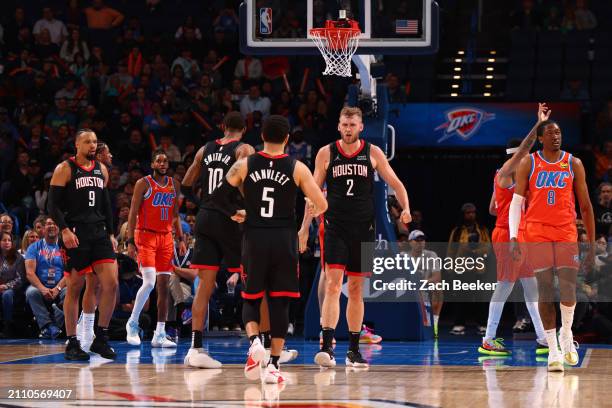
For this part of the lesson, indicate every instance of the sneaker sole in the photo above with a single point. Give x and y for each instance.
(569, 361)
(76, 358)
(555, 367)
(349, 363)
(212, 365)
(493, 352)
(364, 341)
(323, 359)
(133, 342)
(163, 345)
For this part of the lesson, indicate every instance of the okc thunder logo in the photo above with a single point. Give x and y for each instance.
(464, 122)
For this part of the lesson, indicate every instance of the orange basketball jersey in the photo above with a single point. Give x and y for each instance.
(155, 212)
(503, 198)
(551, 191)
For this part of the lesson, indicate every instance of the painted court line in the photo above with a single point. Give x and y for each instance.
(586, 359)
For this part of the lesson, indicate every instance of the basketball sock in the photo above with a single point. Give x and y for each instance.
(274, 360)
(252, 338)
(354, 341)
(102, 333)
(496, 307)
(196, 339)
(72, 339)
(328, 337)
(567, 316)
(266, 339)
(551, 338)
(161, 327)
(530, 290)
(88, 320)
(148, 283)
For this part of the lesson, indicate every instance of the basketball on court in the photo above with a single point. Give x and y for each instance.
(365, 203)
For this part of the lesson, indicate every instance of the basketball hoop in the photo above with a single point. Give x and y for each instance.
(337, 41)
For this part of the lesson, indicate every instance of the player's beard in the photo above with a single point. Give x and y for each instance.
(91, 156)
(350, 139)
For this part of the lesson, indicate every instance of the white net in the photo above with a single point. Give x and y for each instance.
(337, 47)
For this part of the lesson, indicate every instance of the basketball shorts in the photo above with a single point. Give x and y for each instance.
(508, 269)
(551, 246)
(217, 238)
(270, 263)
(95, 247)
(155, 250)
(342, 243)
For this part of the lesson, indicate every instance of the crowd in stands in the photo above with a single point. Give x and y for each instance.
(143, 76)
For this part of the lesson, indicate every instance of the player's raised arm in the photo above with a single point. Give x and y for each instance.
(511, 164)
(584, 201)
(307, 183)
(321, 161)
(193, 172)
(522, 181)
(140, 189)
(381, 165)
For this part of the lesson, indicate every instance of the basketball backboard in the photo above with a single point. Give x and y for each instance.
(404, 27)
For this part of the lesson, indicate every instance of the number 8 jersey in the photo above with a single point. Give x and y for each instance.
(350, 184)
(551, 191)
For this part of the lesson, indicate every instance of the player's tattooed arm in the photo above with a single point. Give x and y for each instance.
(321, 162)
(140, 189)
(237, 173)
(384, 169)
(509, 167)
(244, 150)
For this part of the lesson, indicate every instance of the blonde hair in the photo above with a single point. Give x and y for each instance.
(26, 238)
(350, 111)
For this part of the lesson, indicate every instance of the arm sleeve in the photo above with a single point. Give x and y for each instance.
(108, 212)
(514, 217)
(56, 195)
(222, 197)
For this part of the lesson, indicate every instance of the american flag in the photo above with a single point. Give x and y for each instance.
(406, 26)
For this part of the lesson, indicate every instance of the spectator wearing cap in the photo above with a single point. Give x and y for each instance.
(44, 270)
(57, 29)
(255, 102)
(429, 271)
(298, 148)
(603, 208)
(468, 239)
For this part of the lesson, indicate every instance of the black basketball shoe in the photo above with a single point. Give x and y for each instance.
(74, 352)
(354, 359)
(101, 347)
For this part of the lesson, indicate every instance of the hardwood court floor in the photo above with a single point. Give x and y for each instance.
(449, 374)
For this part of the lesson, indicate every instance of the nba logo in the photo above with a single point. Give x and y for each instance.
(265, 21)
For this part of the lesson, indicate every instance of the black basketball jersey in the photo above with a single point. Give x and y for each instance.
(270, 191)
(216, 161)
(350, 184)
(83, 200)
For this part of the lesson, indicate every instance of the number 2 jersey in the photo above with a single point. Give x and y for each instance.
(551, 191)
(350, 184)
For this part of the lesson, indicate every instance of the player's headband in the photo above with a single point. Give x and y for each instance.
(512, 150)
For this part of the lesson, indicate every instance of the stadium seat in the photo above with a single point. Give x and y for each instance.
(547, 90)
(523, 55)
(579, 39)
(577, 70)
(553, 39)
(549, 71)
(576, 54)
(550, 54)
(523, 38)
(519, 90)
(520, 70)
